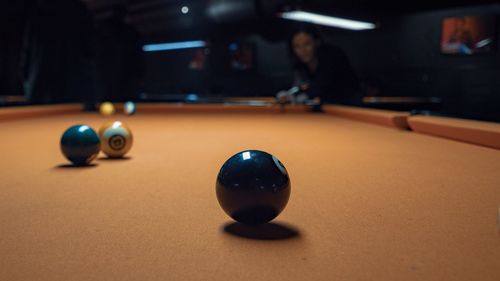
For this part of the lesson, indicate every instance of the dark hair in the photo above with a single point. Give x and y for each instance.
(307, 29)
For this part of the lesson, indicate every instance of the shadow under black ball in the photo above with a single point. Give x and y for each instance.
(253, 187)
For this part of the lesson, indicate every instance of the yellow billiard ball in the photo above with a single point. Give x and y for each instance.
(107, 108)
(116, 139)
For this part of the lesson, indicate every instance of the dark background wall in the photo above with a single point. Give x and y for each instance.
(169, 72)
(11, 36)
(400, 58)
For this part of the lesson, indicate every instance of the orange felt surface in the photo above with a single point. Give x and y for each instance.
(367, 203)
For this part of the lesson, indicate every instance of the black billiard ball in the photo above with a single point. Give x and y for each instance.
(253, 187)
(80, 144)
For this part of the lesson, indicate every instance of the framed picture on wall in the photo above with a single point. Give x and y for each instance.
(469, 35)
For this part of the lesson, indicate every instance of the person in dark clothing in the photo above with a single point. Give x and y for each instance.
(57, 57)
(321, 72)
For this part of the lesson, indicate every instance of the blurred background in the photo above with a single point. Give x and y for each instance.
(54, 51)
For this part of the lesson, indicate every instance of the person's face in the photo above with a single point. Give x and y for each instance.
(304, 47)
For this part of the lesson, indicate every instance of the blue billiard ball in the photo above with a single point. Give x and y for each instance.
(80, 144)
(253, 187)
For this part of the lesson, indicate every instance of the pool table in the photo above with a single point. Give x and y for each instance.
(369, 200)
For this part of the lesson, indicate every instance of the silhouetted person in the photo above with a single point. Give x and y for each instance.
(321, 72)
(119, 58)
(57, 57)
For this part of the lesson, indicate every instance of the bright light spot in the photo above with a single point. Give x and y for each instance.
(116, 124)
(185, 9)
(83, 128)
(484, 42)
(173, 46)
(246, 155)
(327, 20)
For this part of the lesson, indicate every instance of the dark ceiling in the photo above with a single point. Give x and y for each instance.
(390, 6)
(150, 15)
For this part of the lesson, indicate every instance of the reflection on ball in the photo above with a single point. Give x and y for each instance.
(107, 108)
(116, 139)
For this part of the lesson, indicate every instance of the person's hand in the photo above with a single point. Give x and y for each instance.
(301, 98)
(282, 96)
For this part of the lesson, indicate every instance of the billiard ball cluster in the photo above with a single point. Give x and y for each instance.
(107, 108)
(80, 144)
(252, 186)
